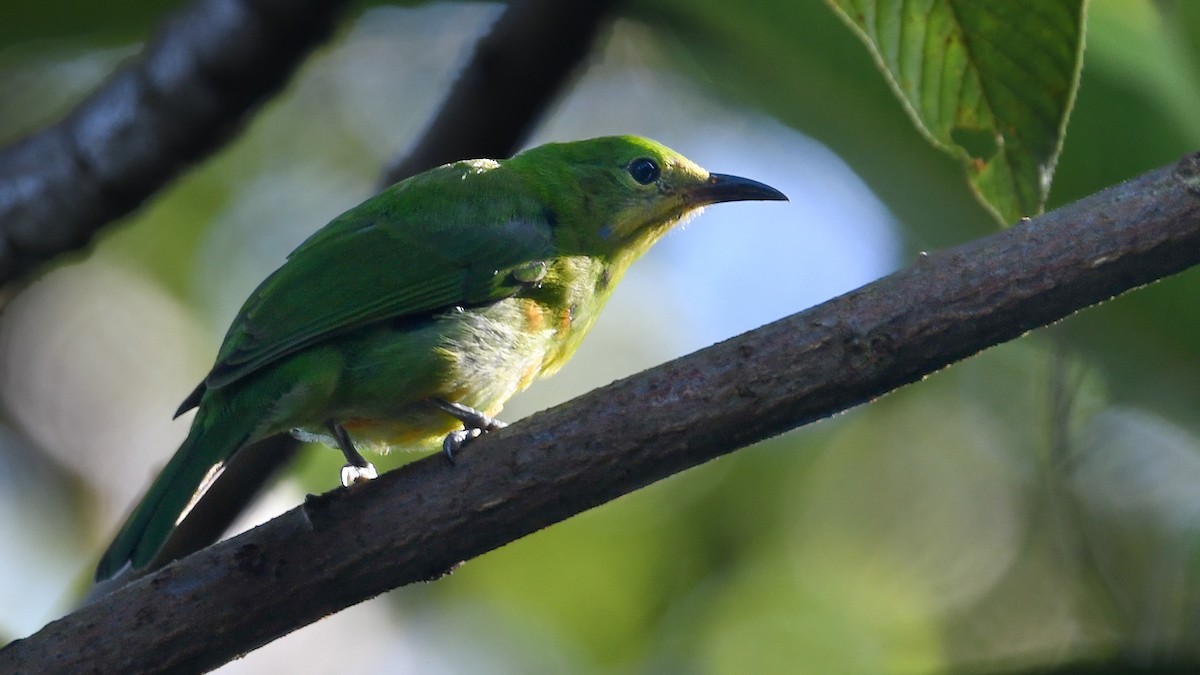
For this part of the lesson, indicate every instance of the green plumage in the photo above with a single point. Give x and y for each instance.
(456, 287)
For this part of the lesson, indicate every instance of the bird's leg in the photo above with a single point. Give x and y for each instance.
(474, 422)
(359, 470)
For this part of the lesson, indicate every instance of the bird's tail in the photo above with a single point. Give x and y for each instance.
(182, 482)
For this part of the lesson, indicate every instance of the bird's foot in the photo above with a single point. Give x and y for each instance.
(470, 417)
(352, 474)
(358, 469)
(456, 439)
(475, 424)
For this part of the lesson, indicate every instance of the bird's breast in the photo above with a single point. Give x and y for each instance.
(498, 350)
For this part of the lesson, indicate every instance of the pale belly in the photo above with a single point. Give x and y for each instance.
(476, 357)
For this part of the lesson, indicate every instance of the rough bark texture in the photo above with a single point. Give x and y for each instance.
(349, 545)
(195, 84)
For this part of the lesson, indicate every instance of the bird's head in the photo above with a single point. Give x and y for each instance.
(620, 194)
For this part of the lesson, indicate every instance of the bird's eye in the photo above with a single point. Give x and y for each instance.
(644, 170)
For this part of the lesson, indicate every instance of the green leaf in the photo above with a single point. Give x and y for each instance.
(991, 83)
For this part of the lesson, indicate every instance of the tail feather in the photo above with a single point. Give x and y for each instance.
(180, 484)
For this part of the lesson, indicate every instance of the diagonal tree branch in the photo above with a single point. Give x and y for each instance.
(349, 545)
(196, 82)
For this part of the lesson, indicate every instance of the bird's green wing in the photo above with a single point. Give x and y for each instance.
(409, 252)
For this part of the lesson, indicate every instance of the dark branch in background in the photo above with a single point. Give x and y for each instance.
(193, 86)
(516, 69)
(514, 74)
(349, 545)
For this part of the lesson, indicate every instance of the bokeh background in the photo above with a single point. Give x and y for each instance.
(1033, 506)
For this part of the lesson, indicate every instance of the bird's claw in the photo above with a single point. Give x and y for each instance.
(352, 474)
(475, 424)
(456, 439)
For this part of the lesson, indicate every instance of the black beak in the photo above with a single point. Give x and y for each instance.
(722, 187)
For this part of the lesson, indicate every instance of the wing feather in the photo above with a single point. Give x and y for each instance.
(413, 251)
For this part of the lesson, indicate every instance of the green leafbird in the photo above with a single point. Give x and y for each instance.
(414, 316)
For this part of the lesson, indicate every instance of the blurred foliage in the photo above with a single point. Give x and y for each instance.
(1030, 507)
